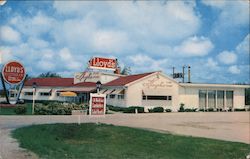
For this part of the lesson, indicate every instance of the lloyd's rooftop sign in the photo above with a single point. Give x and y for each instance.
(103, 63)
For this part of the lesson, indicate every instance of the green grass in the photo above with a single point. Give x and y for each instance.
(103, 141)
(10, 110)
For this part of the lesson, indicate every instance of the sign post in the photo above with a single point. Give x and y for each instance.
(97, 104)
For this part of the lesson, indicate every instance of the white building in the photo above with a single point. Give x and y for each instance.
(148, 90)
(157, 89)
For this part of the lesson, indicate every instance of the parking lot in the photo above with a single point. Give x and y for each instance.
(229, 126)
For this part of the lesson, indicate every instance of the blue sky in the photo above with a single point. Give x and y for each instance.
(61, 36)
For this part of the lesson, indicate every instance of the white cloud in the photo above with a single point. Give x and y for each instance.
(6, 54)
(37, 43)
(215, 3)
(144, 63)
(33, 26)
(194, 46)
(227, 57)
(110, 41)
(243, 47)
(9, 35)
(172, 21)
(46, 65)
(234, 69)
(212, 64)
(232, 14)
(68, 60)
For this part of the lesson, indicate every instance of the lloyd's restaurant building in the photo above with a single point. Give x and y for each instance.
(148, 90)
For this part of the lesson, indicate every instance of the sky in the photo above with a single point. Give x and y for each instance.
(61, 36)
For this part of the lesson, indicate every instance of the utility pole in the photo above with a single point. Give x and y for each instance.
(183, 74)
(173, 72)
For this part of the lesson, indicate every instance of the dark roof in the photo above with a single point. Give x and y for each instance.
(57, 82)
(127, 79)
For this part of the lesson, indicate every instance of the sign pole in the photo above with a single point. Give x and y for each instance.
(5, 90)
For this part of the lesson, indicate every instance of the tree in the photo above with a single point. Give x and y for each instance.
(126, 70)
(48, 75)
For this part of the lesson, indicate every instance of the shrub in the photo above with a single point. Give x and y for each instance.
(21, 109)
(181, 108)
(190, 110)
(158, 109)
(58, 108)
(116, 108)
(168, 110)
(132, 109)
(239, 110)
(210, 109)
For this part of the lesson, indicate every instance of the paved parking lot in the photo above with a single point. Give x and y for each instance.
(230, 126)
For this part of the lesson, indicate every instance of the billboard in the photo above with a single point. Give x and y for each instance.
(13, 72)
(103, 63)
(97, 104)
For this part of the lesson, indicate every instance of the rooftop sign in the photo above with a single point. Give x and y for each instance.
(103, 63)
(13, 72)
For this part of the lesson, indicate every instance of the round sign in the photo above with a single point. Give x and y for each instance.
(13, 72)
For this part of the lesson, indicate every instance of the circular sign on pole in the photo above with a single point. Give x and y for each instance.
(13, 72)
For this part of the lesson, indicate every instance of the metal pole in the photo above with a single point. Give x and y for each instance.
(183, 74)
(189, 75)
(173, 72)
(33, 104)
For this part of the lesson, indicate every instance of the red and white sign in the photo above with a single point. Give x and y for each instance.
(103, 63)
(13, 72)
(97, 104)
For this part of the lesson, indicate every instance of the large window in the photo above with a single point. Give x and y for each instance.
(202, 99)
(211, 99)
(28, 93)
(229, 97)
(211, 96)
(157, 97)
(220, 99)
(45, 94)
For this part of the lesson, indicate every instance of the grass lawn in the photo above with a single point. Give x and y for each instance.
(104, 141)
(10, 110)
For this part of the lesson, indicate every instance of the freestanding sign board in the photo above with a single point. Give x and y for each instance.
(103, 63)
(13, 72)
(97, 104)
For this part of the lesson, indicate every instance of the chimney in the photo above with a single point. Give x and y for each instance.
(117, 70)
(189, 75)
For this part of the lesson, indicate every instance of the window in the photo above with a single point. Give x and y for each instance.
(112, 96)
(211, 99)
(120, 96)
(28, 93)
(202, 99)
(169, 97)
(45, 94)
(229, 97)
(220, 99)
(157, 97)
(57, 94)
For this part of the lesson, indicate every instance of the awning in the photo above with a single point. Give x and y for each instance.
(108, 91)
(68, 94)
(118, 91)
(27, 90)
(78, 89)
(156, 92)
(44, 90)
(102, 91)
